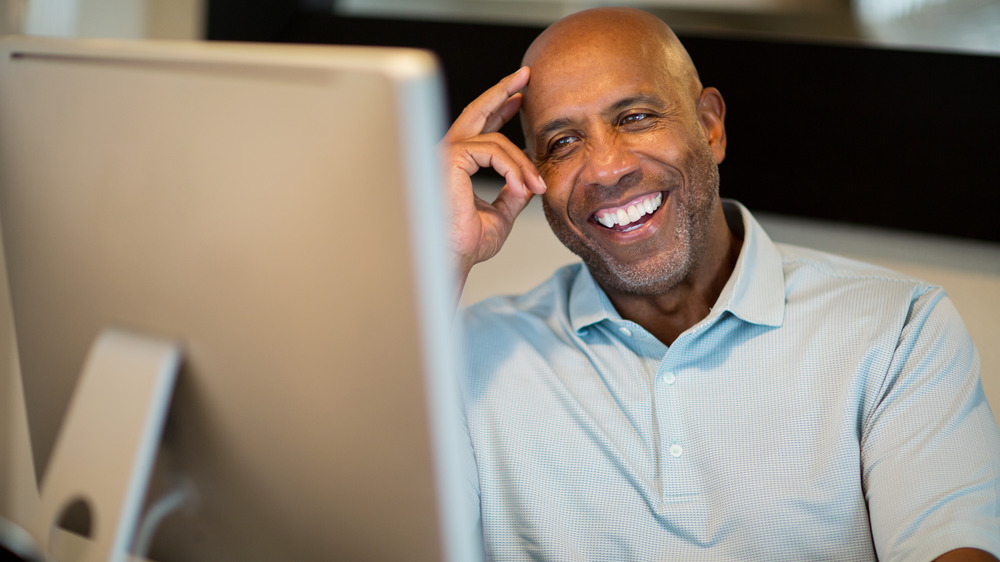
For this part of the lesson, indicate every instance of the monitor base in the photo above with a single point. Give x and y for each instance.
(104, 454)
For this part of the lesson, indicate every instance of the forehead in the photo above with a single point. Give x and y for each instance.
(577, 79)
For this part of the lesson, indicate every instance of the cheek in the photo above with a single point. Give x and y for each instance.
(668, 148)
(554, 202)
(562, 207)
(553, 173)
(559, 187)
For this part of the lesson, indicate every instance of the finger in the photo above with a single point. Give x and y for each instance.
(509, 203)
(504, 114)
(498, 152)
(474, 156)
(485, 109)
(531, 178)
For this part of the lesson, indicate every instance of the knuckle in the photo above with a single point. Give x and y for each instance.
(496, 138)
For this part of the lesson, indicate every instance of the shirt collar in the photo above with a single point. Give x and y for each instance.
(754, 293)
(588, 303)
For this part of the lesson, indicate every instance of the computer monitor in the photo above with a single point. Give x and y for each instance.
(275, 210)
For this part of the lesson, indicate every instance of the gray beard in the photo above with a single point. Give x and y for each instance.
(675, 263)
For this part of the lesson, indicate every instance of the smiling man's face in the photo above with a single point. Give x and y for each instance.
(614, 120)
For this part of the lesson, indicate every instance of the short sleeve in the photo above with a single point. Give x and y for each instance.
(930, 447)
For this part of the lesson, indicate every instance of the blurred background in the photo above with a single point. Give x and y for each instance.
(868, 128)
(969, 25)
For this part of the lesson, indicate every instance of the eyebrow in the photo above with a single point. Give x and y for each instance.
(639, 99)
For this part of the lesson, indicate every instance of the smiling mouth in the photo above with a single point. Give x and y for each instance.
(631, 215)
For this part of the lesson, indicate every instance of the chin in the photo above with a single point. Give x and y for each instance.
(648, 279)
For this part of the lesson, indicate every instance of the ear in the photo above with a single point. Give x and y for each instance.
(712, 116)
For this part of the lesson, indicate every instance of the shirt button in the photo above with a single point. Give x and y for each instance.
(676, 450)
(669, 378)
(625, 331)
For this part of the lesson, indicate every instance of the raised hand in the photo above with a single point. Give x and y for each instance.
(478, 227)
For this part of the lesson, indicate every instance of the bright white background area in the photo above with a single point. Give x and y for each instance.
(133, 19)
(962, 25)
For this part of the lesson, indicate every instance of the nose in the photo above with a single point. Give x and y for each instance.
(609, 158)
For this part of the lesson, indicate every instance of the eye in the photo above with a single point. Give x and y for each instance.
(562, 143)
(633, 118)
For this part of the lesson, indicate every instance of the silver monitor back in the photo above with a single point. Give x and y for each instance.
(275, 209)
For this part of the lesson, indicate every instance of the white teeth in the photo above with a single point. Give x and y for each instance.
(632, 213)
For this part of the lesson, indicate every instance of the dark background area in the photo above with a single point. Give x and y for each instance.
(895, 138)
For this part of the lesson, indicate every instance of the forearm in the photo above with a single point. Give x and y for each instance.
(966, 555)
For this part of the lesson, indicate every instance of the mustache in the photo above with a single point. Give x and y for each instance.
(633, 182)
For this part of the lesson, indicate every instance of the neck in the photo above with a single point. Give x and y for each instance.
(667, 315)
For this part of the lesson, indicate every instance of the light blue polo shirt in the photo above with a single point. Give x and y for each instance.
(825, 409)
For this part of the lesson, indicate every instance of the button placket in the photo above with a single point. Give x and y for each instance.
(666, 379)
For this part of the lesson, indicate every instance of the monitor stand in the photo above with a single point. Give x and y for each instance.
(104, 454)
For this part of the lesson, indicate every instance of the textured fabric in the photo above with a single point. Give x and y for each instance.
(824, 410)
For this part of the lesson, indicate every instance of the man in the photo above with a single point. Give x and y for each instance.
(694, 391)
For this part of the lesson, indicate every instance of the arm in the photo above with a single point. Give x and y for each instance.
(478, 227)
(930, 444)
(966, 555)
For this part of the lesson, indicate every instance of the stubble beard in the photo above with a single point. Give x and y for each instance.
(672, 265)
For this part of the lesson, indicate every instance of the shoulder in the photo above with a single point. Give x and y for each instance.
(509, 333)
(541, 303)
(880, 306)
(814, 272)
(797, 259)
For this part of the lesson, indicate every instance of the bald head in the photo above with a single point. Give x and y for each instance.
(593, 42)
(611, 27)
